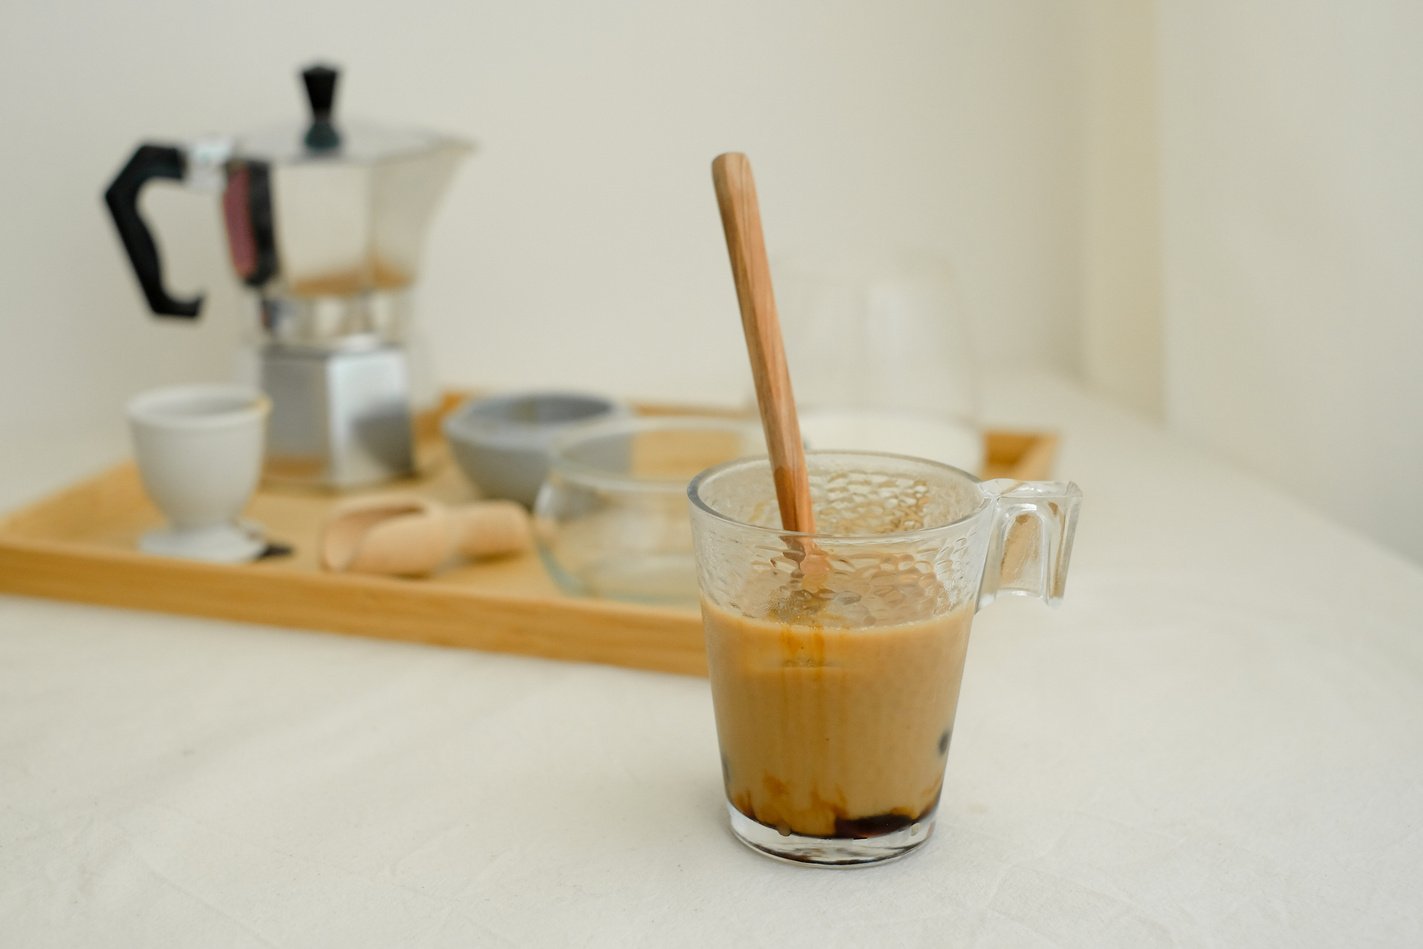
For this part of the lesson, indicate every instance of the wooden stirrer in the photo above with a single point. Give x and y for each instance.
(741, 219)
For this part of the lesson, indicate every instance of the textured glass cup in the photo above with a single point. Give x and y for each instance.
(836, 657)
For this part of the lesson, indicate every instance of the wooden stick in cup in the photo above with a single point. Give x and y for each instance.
(741, 220)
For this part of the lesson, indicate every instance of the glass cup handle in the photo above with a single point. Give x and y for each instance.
(1030, 541)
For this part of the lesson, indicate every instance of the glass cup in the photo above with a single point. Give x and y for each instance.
(611, 517)
(836, 657)
(882, 353)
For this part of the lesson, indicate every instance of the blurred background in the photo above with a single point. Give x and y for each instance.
(1209, 212)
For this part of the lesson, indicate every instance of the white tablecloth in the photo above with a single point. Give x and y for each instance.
(1216, 740)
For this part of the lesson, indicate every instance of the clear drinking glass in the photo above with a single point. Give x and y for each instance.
(881, 350)
(836, 657)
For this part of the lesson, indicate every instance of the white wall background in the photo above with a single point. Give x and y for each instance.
(1292, 201)
(581, 246)
(1121, 208)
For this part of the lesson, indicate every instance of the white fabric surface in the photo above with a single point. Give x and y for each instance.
(1214, 741)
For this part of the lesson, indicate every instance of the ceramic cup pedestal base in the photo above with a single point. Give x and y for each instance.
(219, 543)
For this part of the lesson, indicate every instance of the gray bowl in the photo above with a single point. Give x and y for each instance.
(502, 442)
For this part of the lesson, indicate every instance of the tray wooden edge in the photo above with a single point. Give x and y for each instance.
(1024, 454)
(621, 634)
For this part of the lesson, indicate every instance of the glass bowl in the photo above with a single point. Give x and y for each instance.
(611, 518)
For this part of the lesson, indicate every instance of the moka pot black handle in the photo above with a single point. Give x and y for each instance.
(148, 162)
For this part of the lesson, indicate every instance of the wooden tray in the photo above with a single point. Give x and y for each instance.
(79, 544)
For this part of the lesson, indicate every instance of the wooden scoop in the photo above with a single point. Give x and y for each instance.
(410, 536)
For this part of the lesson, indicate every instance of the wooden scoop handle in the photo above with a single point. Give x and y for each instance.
(409, 536)
(741, 220)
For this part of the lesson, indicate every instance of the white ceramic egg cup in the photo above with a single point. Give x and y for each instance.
(199, 454)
